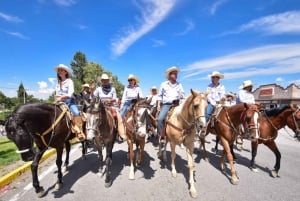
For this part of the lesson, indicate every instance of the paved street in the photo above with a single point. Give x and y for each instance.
(153, 181)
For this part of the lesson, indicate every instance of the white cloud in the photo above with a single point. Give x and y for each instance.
(266, 60)
(18, 35)
(279, 79)
(152, 13)
(10, 18)
(282, 23)
(81, 26)
(216, 5)
(42, 85)
(158, 43)
(65, 2)
(190, 26)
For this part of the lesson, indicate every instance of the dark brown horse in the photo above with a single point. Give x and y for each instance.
(45, 125)
(269, 124)
(101, 127)
(136, 120)
(226, 127)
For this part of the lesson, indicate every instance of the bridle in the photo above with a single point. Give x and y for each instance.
(296, 120)
(252, 126)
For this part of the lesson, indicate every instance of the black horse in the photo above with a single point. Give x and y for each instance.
(101, 127)
(45, 125)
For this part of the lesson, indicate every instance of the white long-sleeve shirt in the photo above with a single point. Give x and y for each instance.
(169, 92)
(110, 95)
(245, 96)
(131, 93)
(215, 93)
(65, 89)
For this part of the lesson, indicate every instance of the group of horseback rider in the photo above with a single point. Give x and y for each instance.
(169, 94)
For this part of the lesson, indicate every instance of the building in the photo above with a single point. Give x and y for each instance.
(273, 95)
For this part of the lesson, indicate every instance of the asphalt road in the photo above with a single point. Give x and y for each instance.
(153, 181)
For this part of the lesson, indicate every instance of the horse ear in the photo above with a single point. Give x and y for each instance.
(148, 101)
(193, 93)
(246, 105)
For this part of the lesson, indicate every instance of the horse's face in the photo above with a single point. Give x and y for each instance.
(92, 121)
(251, 120)
(198, 108)
(21, 138)
(294, 122)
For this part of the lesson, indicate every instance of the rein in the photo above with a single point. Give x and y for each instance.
(51, 128)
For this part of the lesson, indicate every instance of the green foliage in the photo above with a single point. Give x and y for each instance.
(91, 72)
(8, 153)
(22, 95)
(78, 64)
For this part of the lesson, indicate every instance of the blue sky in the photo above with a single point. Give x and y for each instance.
(257, 40)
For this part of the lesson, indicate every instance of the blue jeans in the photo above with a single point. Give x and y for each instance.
(161, 117)
(126, 106)
(209, 111)
(72, 106)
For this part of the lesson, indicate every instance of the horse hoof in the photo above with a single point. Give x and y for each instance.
(58, 186)
(131, 176)
(174, 174)
(83, 157)
(234, 181)
(193, 193)
(254, 169)
(206, 159)
(64, 169)
(108, 184)
(274, 173)
(41, 193)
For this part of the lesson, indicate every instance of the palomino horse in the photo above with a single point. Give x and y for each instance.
(226, 127)
(181, 127)
(269, 124)
(45, 125)
(101, 127)
(135, 122)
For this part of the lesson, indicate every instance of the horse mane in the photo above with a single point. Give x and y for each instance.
(276, 111)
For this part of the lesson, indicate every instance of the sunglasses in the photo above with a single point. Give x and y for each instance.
(214, 77)
(130, 80)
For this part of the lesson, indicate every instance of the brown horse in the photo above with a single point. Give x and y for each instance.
(101, 128)
(181, 127)
(269, 124)
(45, 125)
(135, 122)
(226, 127)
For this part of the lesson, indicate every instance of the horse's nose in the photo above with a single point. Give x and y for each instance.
(91, 134)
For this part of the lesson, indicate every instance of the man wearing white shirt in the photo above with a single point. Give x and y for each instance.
(169, 91)
(244, 94)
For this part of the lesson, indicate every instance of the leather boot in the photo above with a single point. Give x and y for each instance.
(121, 127)
(77, 127)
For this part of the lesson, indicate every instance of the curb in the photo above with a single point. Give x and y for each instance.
(10, 177)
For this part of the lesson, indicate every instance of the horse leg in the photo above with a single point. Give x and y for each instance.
(234, 178)
(66, 163)
(189, 153)
(142, 152)
(173, 156)
(35, 180)
(254, 145)
(59, 152)
(108, 163)
(84, 149)
(232, 153)
(202, 144)
(215, 150)
(131, 159)
(272, 145)
(98, 145)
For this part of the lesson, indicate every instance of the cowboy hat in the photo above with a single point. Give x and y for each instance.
(230, 94)
(170, 70)
(154, 87)
(246, 83)
(217, 74)
(66, 68)
(133, 77)
(86, 85)
(104, 76)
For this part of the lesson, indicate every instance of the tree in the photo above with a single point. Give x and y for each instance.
(22, 95)
(78, 64)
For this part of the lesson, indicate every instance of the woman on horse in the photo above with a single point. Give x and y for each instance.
(63, 93)
(216, 93)
(131, 91)
(170, 91)
(108, 95)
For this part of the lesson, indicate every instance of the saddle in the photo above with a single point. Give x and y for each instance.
(175, 103)
(214, 115)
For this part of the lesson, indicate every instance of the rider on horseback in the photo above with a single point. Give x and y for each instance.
(108, 95)
(63, 93)
(170, 91)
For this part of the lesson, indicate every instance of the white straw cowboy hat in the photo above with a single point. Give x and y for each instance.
(86, 85)
(217, 74)
(170, 70)
(154, 87)
(66, 68)
(246, 83)
(133, 77)
(104, 76)
(230, 94)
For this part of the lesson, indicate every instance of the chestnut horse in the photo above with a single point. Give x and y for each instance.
(269, 124)
(181, 126)
(101, 127)
(135, 122)
(45, 125)
(226, 127)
